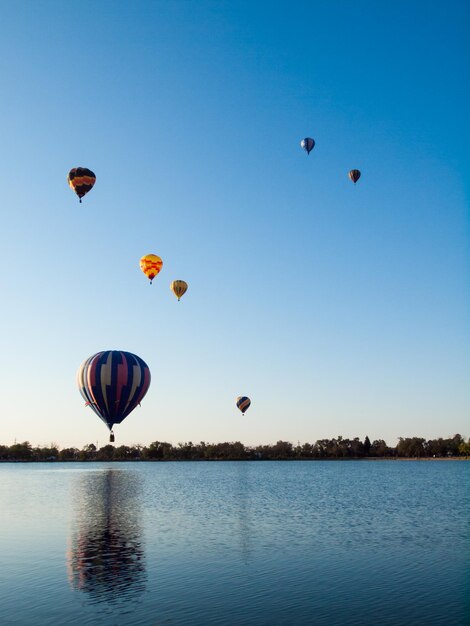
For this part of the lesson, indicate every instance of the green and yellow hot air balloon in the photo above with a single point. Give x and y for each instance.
(179, 288)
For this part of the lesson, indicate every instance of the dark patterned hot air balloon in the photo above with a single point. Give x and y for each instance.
(179, 288)
(354, 175)
(81, 180)
(243, 403)
(113, 383)
(307, 144)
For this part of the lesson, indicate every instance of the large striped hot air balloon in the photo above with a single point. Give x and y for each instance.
(113, 383)
(179, 288)
(307, 144)
(81, 180)
(243, 403)
(151, 264)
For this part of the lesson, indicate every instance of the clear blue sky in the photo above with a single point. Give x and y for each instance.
(339, 309)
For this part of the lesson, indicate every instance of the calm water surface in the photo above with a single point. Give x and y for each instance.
(235, 543)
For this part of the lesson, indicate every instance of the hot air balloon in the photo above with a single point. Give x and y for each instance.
(307, 144)
(179, 288)
(81, 180)
(243, 403)
(354, 175)
(113, 383)
(151, 264)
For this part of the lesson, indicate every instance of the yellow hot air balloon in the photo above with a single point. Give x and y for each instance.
(179, 288)
(151, 264)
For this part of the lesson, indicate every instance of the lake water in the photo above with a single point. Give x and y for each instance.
(235, 543)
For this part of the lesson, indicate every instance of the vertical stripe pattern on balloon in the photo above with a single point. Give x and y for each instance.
(113, 383)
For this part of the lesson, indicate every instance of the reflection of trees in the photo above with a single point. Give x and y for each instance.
(106, 557)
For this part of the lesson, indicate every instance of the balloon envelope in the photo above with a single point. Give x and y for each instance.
(354, 175)
(243, 403)
(151, 264)
(179, 288)
(81, 180)
(307, 144)
(113, 383)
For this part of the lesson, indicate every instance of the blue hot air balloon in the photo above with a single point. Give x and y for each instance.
(354, 175)
(307, 144)
(243, 403)
(113, 383)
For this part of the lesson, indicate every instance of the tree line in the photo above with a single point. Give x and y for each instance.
(336, 448)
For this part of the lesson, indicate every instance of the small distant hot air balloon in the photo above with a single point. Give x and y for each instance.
(179, 288)
(354, 175)
(113, 383)
(307, 144)
(151, 264)
(243, 403)
(81, 180)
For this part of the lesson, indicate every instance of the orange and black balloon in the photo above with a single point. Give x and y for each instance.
(243, 403)
(81, 180)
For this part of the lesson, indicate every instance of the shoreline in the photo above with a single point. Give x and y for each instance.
(453, 458)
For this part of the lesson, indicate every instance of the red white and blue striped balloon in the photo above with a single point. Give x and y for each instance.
(243, 403)
(113, 383)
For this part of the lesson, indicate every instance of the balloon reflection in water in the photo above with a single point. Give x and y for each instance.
(243, 508)
(106, 558)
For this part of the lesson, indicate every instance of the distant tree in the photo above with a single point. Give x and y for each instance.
(356, 448)
(455, 443)
(158, 450)
(45, 454)
(87, 453)
(306, 451)
(339, 447)
(320, 448)
(263, 452)
(106, 453)
(334, 447)
(135, 452)
(234, 451)
(282, 450)
(464, 448)
(185, 451)
(411, 447)
(436, 447)
(21, 451)
(69, 454)
(379, 448)
(122, 453)
(208, 450)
